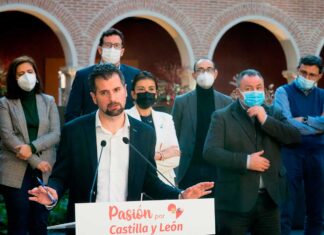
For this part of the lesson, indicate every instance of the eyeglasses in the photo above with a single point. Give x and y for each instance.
(110, 45)
(202, 70)
(305, 74)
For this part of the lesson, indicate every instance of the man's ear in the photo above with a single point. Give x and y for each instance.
(99, 49)
(194, 75)
(133, 95)
(239, 93)
(216, 73)
(122, 52)
(93, 96)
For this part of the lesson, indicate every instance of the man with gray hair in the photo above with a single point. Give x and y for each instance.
(243, 143)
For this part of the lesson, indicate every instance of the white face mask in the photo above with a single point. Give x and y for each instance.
(304, 84)
(27, 81)
(205, 80)
(111, 55)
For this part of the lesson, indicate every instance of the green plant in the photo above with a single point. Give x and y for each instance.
(57, 215)
(3, 216)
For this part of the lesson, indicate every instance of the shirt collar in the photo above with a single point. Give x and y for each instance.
(126, 126)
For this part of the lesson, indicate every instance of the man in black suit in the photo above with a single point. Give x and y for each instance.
(243, 143)
(122, 174)
(111, 49)
(191, 115)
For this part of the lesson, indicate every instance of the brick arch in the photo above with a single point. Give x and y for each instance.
(171, 19)
(275, 20)
(57, 18)
(317, 39)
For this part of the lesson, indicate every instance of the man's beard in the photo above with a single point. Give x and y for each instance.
(116, 112)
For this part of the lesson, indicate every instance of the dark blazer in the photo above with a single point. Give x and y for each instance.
(80, 101)
(77, 161)
(231, 137)
(184, 114)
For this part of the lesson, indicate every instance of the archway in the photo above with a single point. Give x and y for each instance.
(249, 45)
(321, 54)
(24, 34)
(53, 23)
(175, 32)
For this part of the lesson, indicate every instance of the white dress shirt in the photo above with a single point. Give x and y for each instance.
(113, 167)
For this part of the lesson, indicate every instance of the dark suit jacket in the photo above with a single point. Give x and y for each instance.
(80, 101)
(184, 114)
(231, 137)
(77, 161)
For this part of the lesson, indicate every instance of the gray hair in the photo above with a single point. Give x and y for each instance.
(248, 72)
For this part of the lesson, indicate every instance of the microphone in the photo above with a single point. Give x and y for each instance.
(103, 144)
(126, 141)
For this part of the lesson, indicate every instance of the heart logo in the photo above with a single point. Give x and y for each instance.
(174, 210)
(179, 212)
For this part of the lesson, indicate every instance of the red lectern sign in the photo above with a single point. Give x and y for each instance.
(186, 217)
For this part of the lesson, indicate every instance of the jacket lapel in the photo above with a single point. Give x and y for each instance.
(218, 103)
(18, 111)
(158, 125)
(91, 142)
(192, 106)
(41, 111)
(133, 136)
(243, 120)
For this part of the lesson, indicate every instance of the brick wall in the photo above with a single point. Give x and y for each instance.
(201, 21)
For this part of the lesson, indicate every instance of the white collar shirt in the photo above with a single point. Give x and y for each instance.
(114, 163)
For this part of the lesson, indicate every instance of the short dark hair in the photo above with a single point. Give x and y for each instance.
(13, 90)
(312, 60)
(248, 72)
(203, 58)
(110, 32)
(104, 71)
(144, 75)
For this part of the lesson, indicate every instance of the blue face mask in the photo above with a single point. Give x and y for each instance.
(253, 98)
(304, 84)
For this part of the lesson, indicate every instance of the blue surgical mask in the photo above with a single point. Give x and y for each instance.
(253, 98)
(304, 84)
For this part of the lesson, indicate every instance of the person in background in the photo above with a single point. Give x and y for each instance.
(302, 103)
(191, 115)
(243, 143)
(167, 153)
(111, 48)
(29, 130)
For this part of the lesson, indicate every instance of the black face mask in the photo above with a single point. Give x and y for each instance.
(145, 100)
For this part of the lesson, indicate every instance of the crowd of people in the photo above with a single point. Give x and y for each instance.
(114, 146)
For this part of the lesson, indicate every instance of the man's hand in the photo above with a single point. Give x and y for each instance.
(299, 119)
(40, 195)
(258, 112)
(23, 151)
(198, 190)
(258, 163)
(44, 166)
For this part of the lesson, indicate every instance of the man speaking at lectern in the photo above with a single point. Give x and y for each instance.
(98, 156)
